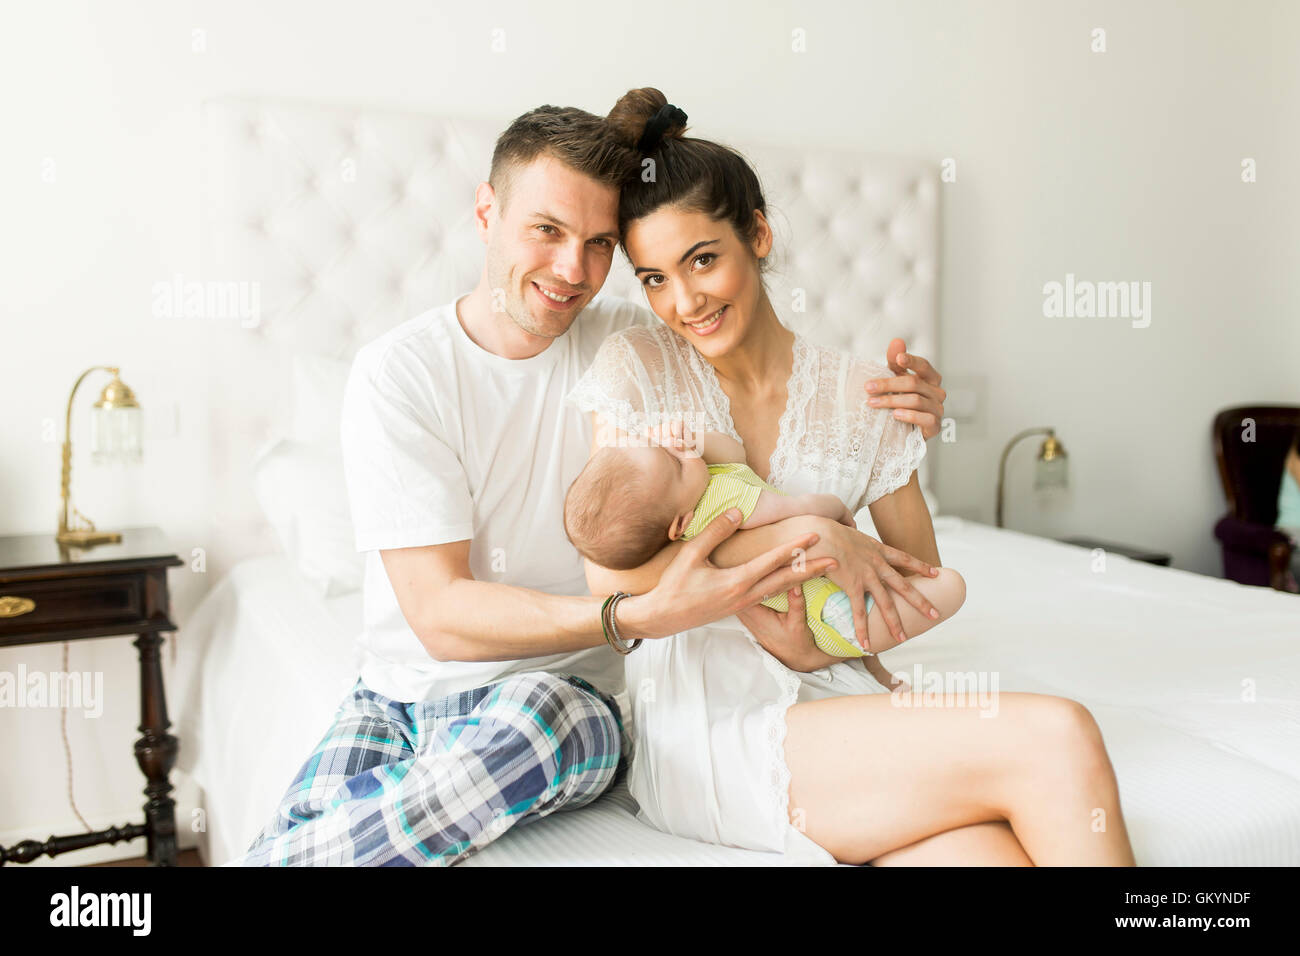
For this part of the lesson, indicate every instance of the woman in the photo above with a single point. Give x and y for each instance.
(753, 737)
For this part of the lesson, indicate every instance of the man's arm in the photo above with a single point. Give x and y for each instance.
(736, 550)
(458, 618)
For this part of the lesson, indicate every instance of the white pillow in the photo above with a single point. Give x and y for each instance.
(317, 398)
(301, 490)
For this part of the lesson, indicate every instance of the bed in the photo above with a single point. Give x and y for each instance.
(354, 219)
(1200, 716)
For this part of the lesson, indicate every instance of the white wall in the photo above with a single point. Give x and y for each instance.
(1116, 165)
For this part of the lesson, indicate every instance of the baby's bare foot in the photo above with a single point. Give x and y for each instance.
(886, 680)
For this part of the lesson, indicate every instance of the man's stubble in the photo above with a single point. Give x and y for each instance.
(504, 287)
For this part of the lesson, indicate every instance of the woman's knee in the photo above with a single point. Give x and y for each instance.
(1072, 736)
(954, 587)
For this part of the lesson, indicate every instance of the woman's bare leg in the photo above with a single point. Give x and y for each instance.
(1038, 764)
(980, 844)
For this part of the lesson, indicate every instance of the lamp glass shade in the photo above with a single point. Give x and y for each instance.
(115, 435)
(1052, 473)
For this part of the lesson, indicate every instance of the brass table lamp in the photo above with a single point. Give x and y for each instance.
(114, 436)
(1049, 468)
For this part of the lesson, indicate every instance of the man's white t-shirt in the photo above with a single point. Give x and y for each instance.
(444, 441)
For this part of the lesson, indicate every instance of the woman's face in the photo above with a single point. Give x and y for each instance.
(700, 278)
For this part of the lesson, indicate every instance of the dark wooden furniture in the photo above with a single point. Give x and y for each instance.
(1137, 554)
(49, 592)
(1250, 446)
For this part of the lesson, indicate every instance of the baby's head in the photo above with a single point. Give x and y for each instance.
(627, 503)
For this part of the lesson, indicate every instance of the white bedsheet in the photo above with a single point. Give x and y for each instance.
(1195, 682)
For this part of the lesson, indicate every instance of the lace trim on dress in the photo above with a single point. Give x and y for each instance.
(635, 392)
(590, 397)
(896, 470)
(794, 420)
(774, 730)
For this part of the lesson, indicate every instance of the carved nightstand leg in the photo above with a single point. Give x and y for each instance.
(155, 752)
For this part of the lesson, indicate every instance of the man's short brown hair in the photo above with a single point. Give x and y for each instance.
(582, 141)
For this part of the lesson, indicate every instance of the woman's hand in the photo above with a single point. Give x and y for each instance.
(915, 398)
(868, 566)
(787, 636)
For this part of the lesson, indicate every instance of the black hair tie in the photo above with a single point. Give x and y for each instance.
(658, 125)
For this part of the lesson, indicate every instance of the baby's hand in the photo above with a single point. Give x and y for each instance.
(675, 434)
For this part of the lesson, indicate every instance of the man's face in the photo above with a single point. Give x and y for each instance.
(556, 234)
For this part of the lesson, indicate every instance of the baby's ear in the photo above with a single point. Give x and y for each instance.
(679, 525)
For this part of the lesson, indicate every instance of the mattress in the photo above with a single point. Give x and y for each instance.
(1194, 682)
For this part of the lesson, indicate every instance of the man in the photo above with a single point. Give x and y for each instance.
(487, 685)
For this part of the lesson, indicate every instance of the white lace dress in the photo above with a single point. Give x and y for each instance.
(709, 705)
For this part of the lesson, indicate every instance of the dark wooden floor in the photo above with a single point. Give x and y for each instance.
(183, 858)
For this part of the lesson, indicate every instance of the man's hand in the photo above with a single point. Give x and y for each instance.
(916, 398)
(693, 591)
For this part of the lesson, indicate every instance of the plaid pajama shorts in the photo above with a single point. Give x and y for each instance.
(431, 782)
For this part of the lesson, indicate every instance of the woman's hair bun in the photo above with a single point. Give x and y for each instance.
(643, 118)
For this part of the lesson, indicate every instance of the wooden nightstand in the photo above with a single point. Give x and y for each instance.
(1137, 554)
(52, 593)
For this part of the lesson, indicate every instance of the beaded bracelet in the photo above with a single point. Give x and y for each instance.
(610, 627)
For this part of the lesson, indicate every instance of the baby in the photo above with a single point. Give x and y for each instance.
(628, 503)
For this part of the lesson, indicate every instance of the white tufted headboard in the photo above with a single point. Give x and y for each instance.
(353, 220)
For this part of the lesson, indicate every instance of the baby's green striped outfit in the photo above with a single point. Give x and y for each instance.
(828, 609)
